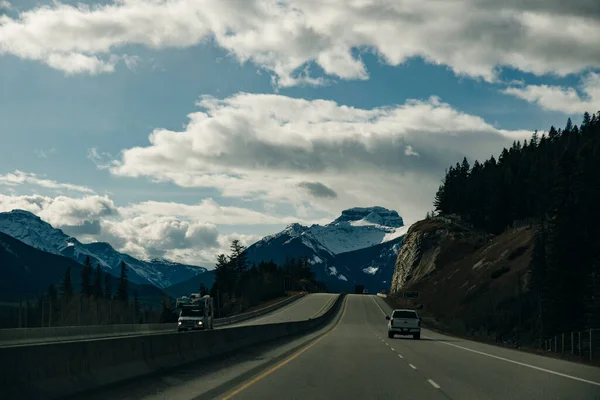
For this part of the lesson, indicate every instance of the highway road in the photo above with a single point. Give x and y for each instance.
(309, 306)
(353, 358)
(306, 307)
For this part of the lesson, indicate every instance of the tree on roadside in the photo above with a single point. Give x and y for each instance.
(66, 285)
(107, 286)
(97, 288)
(123, 286)
(86, 278)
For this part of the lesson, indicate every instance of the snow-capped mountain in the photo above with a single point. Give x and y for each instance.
(359, 247)
(32, 230)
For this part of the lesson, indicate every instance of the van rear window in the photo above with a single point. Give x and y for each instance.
(404, 314)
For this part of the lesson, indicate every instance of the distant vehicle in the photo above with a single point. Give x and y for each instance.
(358, 289)
(365, 291)
(404, 322)
(196, 312)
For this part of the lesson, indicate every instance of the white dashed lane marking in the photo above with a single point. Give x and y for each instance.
(412, 366)
(435, 385)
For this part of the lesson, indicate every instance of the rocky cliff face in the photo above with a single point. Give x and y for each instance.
(466, 280)
(419, 253)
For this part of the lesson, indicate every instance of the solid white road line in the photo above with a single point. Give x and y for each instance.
(518, 363)
(412, 366)
(377, 304)
(435, 385)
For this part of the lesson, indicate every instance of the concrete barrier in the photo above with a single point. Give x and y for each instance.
(53, 370)
(25, 335)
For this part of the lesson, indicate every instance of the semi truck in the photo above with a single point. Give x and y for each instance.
(196, 312)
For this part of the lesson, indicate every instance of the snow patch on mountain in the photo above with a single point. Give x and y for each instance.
(355, 229)
(32, 230)
(370, 270)
(398, 232)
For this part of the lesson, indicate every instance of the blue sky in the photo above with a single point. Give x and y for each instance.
(401, 106)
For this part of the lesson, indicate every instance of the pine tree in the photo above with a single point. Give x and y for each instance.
(586, 120)
(203, 289)
(238, 256)
(166, 313)
(66, 285)
(53, 299)
(98, 282)
(123, 286)
(137, 305)
(107, 286)
(86, 278)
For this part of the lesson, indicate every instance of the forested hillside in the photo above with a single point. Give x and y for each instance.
(553, 182)
(239, 285)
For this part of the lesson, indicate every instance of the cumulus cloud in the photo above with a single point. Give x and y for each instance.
(472, 37)
(208, 210)
(180, 232)
(264, 147)
(19, 178)
(62, 210)
(563, 99)
(5, 5)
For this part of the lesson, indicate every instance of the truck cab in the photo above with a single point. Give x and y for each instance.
(404, 322)
(195, 313)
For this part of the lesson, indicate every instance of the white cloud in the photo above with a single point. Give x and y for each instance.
(472, 37)
(61, 211)
(20, 178)
(270, 147)
(131, 61)
(5, 5)
(208, 210)
(180, 232)
(563, 99)
(408, 151)
(102, 160)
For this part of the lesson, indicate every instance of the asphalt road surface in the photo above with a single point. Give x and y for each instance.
(306, 307)
(309, 306)
(352, 358)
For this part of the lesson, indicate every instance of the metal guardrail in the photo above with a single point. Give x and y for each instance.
(584, 344)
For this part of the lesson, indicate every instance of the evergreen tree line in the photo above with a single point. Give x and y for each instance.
(94, 304)
(552, 180)
(239, 285)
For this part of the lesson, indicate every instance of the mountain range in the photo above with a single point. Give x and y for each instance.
(27, 272)
(359, 247)
(32, 230)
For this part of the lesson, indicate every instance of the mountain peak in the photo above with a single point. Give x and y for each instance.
(22, 213)
(370, 215)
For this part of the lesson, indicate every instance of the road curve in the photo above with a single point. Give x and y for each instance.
(357, 360)
(309, 306)
(353, 358)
